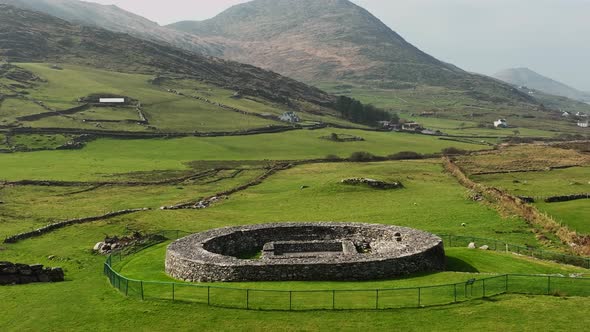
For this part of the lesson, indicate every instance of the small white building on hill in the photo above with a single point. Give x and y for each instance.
(290, 117)
(502, 123)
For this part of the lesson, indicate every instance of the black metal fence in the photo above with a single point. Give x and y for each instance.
(351, 299)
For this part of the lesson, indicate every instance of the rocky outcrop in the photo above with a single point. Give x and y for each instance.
(115, 243)
(18, 274)
(373, 183)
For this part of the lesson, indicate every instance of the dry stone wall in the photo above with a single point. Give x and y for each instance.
(381, 252)
(16, 274)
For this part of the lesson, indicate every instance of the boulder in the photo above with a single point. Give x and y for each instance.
(484, 247)
(471, 245)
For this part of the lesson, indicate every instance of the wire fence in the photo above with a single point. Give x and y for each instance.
(351, 299)
(497, 245)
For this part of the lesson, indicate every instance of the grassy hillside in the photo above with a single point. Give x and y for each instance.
(108, 156)
(49, 39)
(88, 295)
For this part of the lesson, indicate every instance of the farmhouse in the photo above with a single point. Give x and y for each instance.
(290, 117)
(411, 126)
(502, 123)
(583, 124)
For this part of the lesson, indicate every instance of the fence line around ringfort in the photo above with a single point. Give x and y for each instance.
(362, 299)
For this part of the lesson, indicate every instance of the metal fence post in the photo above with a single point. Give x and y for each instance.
(290, 300)
(173, 292)
(419, 296)
(141, 284)
(484, 287)
(506, 284)
(333, 299)
(247, 299)
(455, 287)
(548, 285)
(208, 295)
(376, 299)
(126, 287)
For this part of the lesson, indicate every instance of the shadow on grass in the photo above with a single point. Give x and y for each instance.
(459, 265)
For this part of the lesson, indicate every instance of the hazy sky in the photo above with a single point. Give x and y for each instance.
(551, 37)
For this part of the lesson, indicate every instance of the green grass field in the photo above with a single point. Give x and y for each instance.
(104, 157)
(432, 200)
(544, 184)
(463, 264)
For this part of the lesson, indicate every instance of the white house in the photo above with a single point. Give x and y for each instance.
(583, 124)
(111, 100)
(565, 114)
(290, 117)
(501, 123)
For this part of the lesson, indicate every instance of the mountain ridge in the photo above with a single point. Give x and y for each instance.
(29, 36)
(114, 18)
(527, 77)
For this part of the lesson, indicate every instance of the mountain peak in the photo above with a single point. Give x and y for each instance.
(317, 40)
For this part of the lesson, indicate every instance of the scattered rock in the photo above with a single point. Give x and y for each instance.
(114, 243)
(471, 245)
(98, 246)
(373, 183)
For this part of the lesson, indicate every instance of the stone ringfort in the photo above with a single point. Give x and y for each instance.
(304, 251)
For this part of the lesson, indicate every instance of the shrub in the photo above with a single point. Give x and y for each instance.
(452, 151)
(361, 156)
(406, 155)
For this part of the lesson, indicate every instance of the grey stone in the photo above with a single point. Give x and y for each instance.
(377, 254)
(471, 245)
(98, 246)
(484, 247)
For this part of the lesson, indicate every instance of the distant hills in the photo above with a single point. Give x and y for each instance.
(527, 78)
(116, 19)
(313, 41)
(27, 36)
(331, 40)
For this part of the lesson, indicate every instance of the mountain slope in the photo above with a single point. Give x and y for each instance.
(333, 40)
(533, 80)
(310, 40)
(27, 36)
(116, 19)
(316, 40)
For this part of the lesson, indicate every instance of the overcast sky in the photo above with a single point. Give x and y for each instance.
(551, 37)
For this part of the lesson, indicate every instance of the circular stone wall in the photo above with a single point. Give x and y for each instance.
(304, 251)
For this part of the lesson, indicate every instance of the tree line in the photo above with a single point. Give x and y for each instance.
(357, 112)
